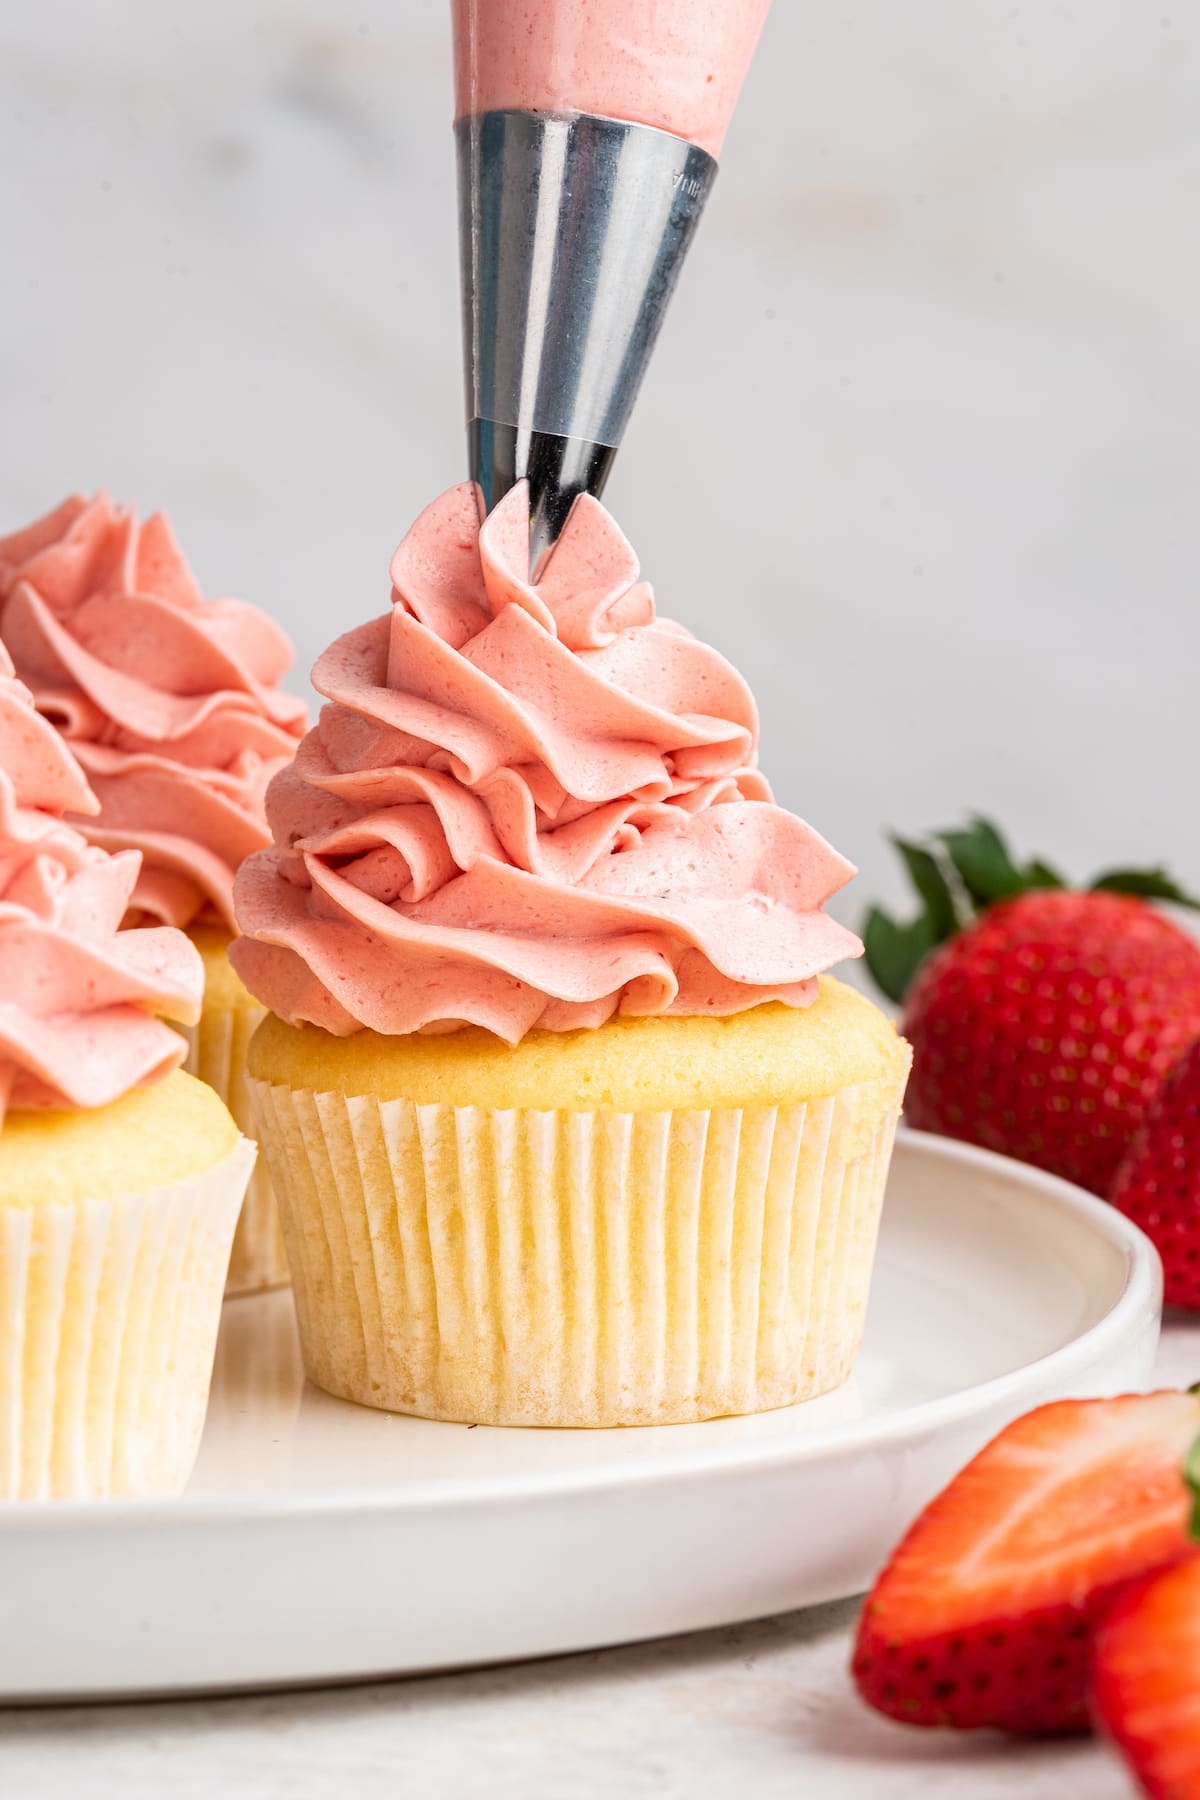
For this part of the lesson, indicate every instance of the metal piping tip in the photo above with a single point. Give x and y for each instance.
(558, 470)
(572, 232)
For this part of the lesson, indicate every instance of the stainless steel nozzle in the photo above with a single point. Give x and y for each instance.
(572, 232)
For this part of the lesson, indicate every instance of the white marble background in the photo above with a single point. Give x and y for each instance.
(919, 449)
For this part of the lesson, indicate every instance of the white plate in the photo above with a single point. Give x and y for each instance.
(322, 1542)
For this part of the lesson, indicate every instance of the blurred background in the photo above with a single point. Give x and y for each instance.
(920, 449)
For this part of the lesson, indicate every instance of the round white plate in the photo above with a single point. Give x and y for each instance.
(320, 1541)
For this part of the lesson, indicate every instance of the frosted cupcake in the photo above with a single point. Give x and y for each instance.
(173, 706)
(564, 1126)
(120, 1181)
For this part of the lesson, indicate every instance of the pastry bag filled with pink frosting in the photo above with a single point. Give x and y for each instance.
(587, 143)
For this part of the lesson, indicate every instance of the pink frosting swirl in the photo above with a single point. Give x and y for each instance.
(78, 996)
(529, 806)
(170, 702)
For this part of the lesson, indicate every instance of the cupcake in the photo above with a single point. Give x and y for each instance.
(567, 1123)
(173, 706)
(120, 1177)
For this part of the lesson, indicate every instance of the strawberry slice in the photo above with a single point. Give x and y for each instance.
(984, 1616)
(1146, 1685)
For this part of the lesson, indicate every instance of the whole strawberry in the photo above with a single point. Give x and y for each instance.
(1158, 1184)
(1042, 1019)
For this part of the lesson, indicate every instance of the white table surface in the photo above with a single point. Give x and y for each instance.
(761, 1710)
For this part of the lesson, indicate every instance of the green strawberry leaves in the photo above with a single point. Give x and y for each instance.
(1040, 875)
(1149, 884)
(983, 860)
(956, 874)
(947, 908)
(895, 952)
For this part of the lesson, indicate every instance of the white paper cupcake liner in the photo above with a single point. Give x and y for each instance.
(217, 1055)
(578, 1269)
(108, 1323)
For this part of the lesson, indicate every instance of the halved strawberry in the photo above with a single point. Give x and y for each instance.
(984, 1615)
(1146, 1684)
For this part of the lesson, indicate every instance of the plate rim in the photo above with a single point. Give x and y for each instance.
(1140, 1295)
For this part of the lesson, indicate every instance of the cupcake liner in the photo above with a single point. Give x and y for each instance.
(217, 1055)
(108, 1323)
(577, 1268)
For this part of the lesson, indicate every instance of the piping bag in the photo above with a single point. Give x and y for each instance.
(587, 135)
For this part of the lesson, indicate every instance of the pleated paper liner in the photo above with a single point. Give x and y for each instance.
(217, 1055)
(108, 1323)
(574, 1268)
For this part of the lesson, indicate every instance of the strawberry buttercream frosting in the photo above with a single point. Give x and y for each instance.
(529, 806)
(81, 1002)
(171, 702)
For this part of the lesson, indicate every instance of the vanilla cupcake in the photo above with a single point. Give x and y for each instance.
(120, 1181)
(564, 1128)
(173, 706)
